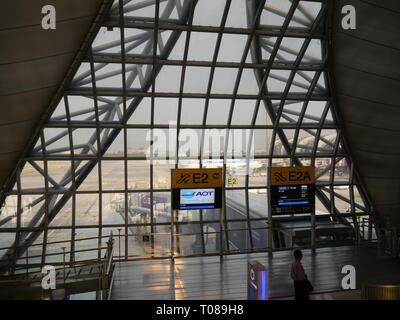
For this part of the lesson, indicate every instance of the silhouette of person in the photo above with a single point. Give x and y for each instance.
(301, 284)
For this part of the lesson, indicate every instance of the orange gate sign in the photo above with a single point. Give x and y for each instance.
(292, 175)
(196, 178)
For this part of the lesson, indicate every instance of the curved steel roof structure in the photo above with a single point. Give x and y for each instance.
(179, 70)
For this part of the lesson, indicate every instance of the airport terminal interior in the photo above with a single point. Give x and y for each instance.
(102, 101)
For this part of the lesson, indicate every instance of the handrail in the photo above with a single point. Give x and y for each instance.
(58, 253)
(104, 273)
(55, 242)
(25, 280)
(107, 276)
(365, 220)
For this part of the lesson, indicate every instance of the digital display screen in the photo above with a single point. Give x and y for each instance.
(292, 199)
(197, 198)
(202, 198)
(293, 195)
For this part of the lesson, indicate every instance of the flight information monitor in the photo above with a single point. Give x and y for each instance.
(196, 188)
(191, 199)
(292, 190)
(292, 199)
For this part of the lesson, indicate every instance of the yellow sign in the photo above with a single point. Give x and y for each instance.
(232, 181)
(292, 175)
(196, 178)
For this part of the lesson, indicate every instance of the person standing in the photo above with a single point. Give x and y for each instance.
(301, 284)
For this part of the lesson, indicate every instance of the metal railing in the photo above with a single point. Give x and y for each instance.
(151, 248)
(107, 271)
(146, 244)
(67, 273)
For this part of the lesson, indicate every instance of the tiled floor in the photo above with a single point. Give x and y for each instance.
(208, 278)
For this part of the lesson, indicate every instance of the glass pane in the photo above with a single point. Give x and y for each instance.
(138, 174)
(113, 174)
(113, 208)
(87, 209)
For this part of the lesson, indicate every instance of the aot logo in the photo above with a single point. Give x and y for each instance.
(191, 194)
(279, 176)
(197, 196)
(184, 178)
(188, 194)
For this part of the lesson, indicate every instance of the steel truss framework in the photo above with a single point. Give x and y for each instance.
(280, 76)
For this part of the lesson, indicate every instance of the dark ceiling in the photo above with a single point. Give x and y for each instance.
(33, 65)
(367, 79)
